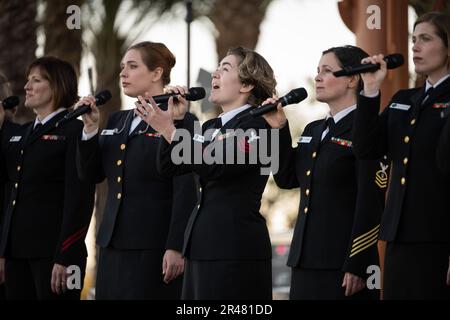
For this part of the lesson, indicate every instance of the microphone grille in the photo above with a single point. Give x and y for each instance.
(10, 102)
(195, 94)
(296, 95)
(394, 60)
(102, 97)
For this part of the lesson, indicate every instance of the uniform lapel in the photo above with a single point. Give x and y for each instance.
(31, 136)
(344, 125)
(437, 93)
(236, 120)
(233, 123)
(139, 129)
(317, 134)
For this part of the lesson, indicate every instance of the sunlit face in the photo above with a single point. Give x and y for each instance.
(429, 51)
(135, 77)
(37, 90)
(226, 87)
(328, 87)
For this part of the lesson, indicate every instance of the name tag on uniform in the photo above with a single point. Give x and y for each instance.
(304, 139)
(399, 106)
(15, 139)
(198, 138)
(108, 132)
(53, 137)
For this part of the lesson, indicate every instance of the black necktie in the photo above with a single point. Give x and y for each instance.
(217, 123)
(427, 95)
(330, 125)
(37, 127)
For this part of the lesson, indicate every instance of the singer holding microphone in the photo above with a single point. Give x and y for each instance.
(141, 234)
(48, 208)
(227, 245)
(416, 223)
(336, 232)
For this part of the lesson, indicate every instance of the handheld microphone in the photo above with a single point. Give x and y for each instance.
(393, 61)
(294, 96)
(100, 99)
(10, 102)
(194, 94)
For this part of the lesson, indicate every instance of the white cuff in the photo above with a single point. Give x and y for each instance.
(370, 96)
(88, 136)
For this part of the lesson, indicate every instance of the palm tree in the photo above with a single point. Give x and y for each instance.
(108, 43)
(237, 22)
(18, 42)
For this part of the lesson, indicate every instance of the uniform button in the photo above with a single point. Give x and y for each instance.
(403, 181)
(200, 190)
(305, 210)
(119, 179)
(314, 154)
(198, 207)
(406, 139)
(119, 162)
(21, 151)
(122, 146)
(14, 203)
(16, 185)
(119, 196)
(307, 192)
(308, 173)
(405, 161)
(413, 121)
(18, 168)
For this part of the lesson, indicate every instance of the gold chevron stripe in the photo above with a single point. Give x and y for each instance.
(364, 248)
(382, 186)
(374, 237)
(381, 179)
(367, 233)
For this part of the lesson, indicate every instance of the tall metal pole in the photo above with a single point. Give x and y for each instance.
(189, 19)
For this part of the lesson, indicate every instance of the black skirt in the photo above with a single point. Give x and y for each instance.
(416, 271)
(134, 275)
(324, 284)
(227, 280)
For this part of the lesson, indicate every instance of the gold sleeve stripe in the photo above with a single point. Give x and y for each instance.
(364, 248)
(374, 232)
(367, 234)
(354, 248)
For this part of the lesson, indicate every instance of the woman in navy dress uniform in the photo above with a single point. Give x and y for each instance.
(227, 245)
(414, 131)
(336, 233)
(48, 208)
(141, 234)
(7, 115)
